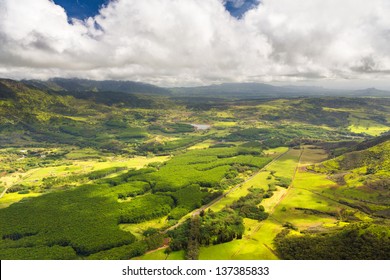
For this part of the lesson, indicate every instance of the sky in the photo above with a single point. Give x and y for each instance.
(332, 43)
(82, 9)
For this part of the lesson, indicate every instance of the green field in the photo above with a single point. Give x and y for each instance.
(367, 126)
(161, 255)
(138, 228)
(253, 246)
(10, 198)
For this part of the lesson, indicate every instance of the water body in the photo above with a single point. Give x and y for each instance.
(201, 126)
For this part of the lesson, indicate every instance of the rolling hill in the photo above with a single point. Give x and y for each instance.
(83, 85)
(362, 192)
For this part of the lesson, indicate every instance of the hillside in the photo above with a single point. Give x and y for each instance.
(362, 189)
(30, 115)
(363, 177)
(82, 85)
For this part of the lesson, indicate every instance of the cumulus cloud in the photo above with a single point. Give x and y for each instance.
(176, 42)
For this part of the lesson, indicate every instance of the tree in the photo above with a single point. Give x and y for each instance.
(194, 238)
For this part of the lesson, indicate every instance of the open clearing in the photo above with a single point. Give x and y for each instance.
(160, 255)
(138, 229)
(362, 125)
(34, 177)
(10, 198)
(202, 145)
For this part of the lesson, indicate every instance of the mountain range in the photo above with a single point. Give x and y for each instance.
(229, 90)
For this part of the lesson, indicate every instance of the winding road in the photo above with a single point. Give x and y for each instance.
(3, 193)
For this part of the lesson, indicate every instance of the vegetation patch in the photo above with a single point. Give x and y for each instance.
(355, 242)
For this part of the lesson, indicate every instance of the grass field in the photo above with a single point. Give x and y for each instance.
(306, 192)
(87, 153)
(138, 229)
(259, 244)
(225, 124)
(136, 162)
(270, 203)
(286, 165)
(160, 255)
(286, 211)
(202, 145)
(11, 179)
(256, 244)
(311, 181)
(79, 167)
(225, 114)
(275, 151)
(35, 176)
(312, 155)
(10, 198)
(367, 126)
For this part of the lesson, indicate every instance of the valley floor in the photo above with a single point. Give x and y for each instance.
(257, 242)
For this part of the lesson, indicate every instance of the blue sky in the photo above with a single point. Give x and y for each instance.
(82, 9)
(238, 8)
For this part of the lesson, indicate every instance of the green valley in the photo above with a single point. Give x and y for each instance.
(121, 170)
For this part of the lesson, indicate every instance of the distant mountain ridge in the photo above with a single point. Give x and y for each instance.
(83, 85)
(371, 92)
(224, 90)
(253, 90)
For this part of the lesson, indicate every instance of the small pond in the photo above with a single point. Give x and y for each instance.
(200, 126)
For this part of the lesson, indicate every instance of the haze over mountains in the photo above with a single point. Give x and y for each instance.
(232, 90)
(79, 85)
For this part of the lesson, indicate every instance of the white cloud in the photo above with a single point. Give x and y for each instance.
(177, 42)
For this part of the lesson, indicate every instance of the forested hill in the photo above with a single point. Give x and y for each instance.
(363, 177)
(363, 186)
(31, 115)
(371, 142)
(83, 85)
(29, 96)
